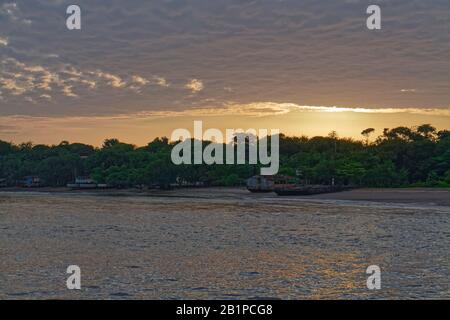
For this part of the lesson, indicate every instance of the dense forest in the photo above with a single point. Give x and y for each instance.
(402, 156)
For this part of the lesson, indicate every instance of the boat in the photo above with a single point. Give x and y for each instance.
(307, 190)
(263, 184)
(31, 182)
(83, 183)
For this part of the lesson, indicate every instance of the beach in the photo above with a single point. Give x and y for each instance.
(418, 196)
(222, 243)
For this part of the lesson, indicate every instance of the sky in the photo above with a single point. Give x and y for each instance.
(139, 69)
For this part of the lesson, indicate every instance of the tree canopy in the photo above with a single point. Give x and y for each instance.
(401, 156)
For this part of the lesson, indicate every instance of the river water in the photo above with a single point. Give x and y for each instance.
(219, 245)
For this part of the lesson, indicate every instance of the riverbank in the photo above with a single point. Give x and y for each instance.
(425, 196)
(429, 196)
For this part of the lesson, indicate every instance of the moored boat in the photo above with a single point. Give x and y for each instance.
(266, 183)
(83, 183)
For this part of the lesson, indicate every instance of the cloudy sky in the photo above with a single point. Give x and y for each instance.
(139, 69)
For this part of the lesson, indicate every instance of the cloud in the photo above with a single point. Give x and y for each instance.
(305, 52)
(13, 86)
(9, 9)
(194, 85)
(268, 109)
(3, 41)
(46, 96)
(12, 11)
(19, 79)
(139, 80)
(259, 109)
(29, 100)
(141, 127)
(68, 92)
(137, 83)
(162, 82)
(113, 80)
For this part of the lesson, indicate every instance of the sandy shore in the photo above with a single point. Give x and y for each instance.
(426, 196)
(413, 195)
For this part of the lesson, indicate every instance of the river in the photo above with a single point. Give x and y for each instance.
(219, 244)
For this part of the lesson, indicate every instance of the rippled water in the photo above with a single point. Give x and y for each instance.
(219, 245)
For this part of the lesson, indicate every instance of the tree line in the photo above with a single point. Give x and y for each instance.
(418, 156)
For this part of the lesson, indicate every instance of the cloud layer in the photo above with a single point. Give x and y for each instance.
(142, 127)
(180, 55)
